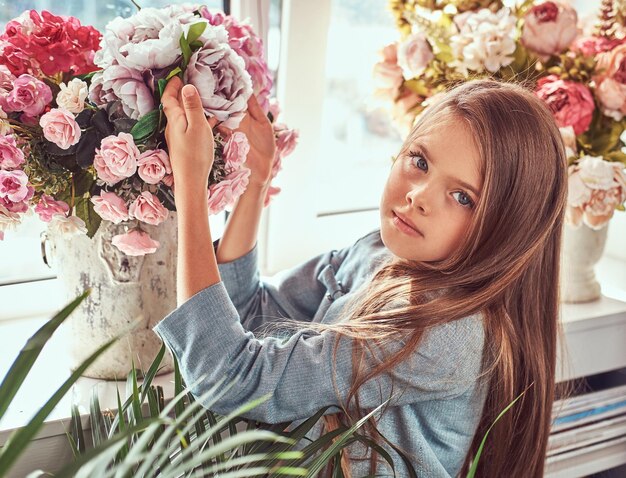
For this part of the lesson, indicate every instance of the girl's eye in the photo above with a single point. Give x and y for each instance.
(463, 199)
(419, 161)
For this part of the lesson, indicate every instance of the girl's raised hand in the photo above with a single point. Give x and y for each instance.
(188, 134)
(258, 129)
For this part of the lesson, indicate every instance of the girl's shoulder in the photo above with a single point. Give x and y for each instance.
(358, 261)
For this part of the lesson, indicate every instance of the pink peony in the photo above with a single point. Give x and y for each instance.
(221, 79)
(148, 208)
(224, 194)
(110, 207)
(14, 185)
(611, 82)
(153, 165)
(414, 55)
(286, 139)
(592, 45)
(549, 28)
(126, 84)
(236, 150)
(29, 95)
(387, 73)
(135, 243)
(48, 207)
(571, 102)
(11, 156)
(116, 159)
(246, 43)
(60, 128)
(595, 189)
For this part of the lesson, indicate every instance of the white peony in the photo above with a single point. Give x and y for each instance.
(147, 40)
(414, 55)
(72, 95)
(485, 41)
(67, 225)
(596, 173)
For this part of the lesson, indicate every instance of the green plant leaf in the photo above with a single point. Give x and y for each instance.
(86, 211)
(18, 441)
(195, 31)
(474, 467)
(146, 125)
(173, 73)
(186, 50)
(161, 84)
(29, 353)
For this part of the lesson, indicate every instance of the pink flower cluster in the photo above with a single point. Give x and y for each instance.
(48, 44)
(571, 102)
(596, 188)
(249, 46)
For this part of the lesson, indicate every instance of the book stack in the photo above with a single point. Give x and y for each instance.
(592, 425)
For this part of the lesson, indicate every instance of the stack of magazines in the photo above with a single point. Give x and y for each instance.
(586, 423)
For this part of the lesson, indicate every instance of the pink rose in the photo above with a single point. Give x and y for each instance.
(6, 82)
(236, 150)
(571, 102)
(13, 185)
(116, 159)
(60, 128)
(110, 207)
(387, 73)
(153, 165)
(5, 126)
(286, 139)
(20, 206)
(148, 208)
(168, 180)
(414, 55)
(48, 207)
(10, 155)
(592, 45)
(135, 243)
(271, 192)
(29, 95)
(274, 109)
(595, 189)
(611, 82)
(224, 194)
(549, 28)
(8, 220)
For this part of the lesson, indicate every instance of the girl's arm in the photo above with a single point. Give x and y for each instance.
(241, 229)
(190, 141)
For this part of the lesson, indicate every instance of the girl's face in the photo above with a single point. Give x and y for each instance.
(431, 193)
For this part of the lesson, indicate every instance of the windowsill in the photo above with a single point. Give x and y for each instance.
(52, 367)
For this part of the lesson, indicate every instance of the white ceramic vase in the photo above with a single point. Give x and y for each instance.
(582, 248)
(124, 289)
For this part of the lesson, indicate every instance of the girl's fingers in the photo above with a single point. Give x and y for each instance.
(254, 109)
(174, 113)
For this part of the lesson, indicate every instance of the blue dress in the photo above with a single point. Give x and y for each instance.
(226, 330)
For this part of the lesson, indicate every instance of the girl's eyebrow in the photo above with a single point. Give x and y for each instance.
(421, 147)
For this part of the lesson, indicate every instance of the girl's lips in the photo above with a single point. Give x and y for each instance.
(404, 227)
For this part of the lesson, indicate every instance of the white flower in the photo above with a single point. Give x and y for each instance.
(147, 40)
(622, 138)
(8, 220)
(5, 127)
(67, 225)
(596, 173)
(414, 55)
(485, 41)
(72, 95)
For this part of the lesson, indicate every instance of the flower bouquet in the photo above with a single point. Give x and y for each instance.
(579, 72)
(81, 123)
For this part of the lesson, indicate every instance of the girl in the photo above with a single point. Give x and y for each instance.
(449, 310)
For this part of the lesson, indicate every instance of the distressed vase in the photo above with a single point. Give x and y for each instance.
(124, 289)
(582, 248)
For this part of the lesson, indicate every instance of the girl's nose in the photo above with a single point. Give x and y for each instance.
(417, 197)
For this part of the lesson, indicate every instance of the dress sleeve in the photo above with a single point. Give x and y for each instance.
(295, 293)
(208, 340)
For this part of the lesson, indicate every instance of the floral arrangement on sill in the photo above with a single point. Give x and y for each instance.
(81, 123)
(579, 71)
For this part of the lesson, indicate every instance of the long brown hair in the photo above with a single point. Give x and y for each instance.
(507, 268)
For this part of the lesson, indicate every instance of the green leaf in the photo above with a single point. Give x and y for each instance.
(83, 182)
(146, 125)
(161, 86)
(474, 467)
(195, 31)
(186, 49)
(173, 73)
(87, 76)
(85, 210)
(196, 45)
(29, 353)
(19, 440)
(616, 156)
